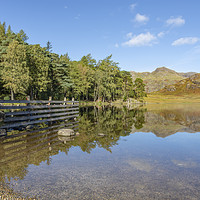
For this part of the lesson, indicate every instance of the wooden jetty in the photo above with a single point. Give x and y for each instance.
(24, 113)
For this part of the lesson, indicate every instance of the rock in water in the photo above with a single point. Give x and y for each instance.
(65, 139)
(66, 132)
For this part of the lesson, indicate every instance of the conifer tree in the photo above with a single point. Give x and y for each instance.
(38, 70)
(139, 89)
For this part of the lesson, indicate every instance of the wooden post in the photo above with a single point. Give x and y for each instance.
(72, 100)
(50, 99)
(65, 99)
(28, 99)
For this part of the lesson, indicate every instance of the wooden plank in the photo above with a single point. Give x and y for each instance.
(30, 152)
(14, 147)
(39, 130)
(33, 137)
(50, 139)
(37, 122)
(39, 111)
(36, 107)
(13, 119)
(35, 101)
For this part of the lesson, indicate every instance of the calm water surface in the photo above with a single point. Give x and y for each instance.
(145, 153)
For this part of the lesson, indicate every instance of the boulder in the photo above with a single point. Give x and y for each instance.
(66, 132)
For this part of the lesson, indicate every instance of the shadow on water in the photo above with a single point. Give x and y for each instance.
(100, 127)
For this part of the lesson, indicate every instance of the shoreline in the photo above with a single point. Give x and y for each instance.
(151, 99)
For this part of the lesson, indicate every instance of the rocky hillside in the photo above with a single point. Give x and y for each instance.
(160, 78)
(185, 86)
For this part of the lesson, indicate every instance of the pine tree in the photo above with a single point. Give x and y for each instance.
(49, 47)
(139, 89)
(38, 63)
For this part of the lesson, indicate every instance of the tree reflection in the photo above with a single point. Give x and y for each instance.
(98, 127)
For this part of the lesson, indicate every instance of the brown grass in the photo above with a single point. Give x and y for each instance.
(186, 98)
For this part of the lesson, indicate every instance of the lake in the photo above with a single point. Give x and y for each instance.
(149, 152)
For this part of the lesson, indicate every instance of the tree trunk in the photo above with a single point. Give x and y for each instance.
(12, 94)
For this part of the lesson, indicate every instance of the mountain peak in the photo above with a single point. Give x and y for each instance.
(164, 69)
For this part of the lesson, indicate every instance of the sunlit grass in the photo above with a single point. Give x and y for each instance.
(159, 98)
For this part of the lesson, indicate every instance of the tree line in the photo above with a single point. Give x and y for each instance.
(35, 71)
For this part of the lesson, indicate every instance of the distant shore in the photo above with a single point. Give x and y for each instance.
(150, 99)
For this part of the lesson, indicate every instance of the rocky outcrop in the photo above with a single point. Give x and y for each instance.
(186, 74)
(189, 85)
(160, 78)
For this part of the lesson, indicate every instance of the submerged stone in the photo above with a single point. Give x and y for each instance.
(66, 132)
(65, 139)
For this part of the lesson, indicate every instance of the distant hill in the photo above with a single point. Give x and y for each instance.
(160, 78)
(185, 86)
(186, 74)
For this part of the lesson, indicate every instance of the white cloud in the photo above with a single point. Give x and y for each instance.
(161, 34)
(143, 39)
(179, 21)
(65, 7)
(117, 45)
(129, 35)
(141, 18)
(132, 6)
(185, 40)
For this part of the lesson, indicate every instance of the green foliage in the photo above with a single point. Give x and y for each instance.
(38, 69)
(15, 73)
(38, 72)
(139, 89)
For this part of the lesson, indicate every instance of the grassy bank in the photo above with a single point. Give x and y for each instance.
(152, 99)
(159, 98)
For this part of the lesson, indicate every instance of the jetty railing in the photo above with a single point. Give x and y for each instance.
(22, 113)
(25, 144)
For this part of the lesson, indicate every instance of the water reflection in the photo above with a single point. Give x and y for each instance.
(170, 119)
(111, 129)
(98, 127)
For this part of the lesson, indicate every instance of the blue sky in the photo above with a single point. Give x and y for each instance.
(141, 35)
